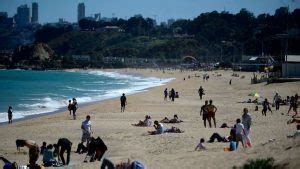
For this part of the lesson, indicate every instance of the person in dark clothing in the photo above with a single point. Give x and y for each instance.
(96, 149)
(205, 114)
(70, 107)
(123, 102)
(165, 94)
(201, 92)
(172, 94)
(9, 113)
(266, 106)
(65, 145)
(223, 139)
(74, 108)
(43, 147)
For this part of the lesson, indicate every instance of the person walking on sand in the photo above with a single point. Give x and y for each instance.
(10, 114)
(247, 122)
(123, 102)
(211, 111)
(74, 108)
(276, 101)
(165, 94)
(266, 107)
(86, 127)
(294, 105)
(205, 114)
(201, 92)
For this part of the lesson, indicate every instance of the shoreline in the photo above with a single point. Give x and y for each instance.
(85, 105)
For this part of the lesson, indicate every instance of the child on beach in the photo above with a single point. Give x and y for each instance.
(70, 107)
(201, 145)
(266, 106)
(240, 133)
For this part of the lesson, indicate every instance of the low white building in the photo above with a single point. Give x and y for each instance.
(81, 58)
(291, 67)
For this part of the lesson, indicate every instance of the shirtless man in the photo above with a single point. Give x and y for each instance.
(211, 111)
(33, 151)
(205, 114)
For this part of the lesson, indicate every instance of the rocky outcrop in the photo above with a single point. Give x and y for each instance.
(35, 56)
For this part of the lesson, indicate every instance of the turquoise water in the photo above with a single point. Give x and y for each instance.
(37, 92)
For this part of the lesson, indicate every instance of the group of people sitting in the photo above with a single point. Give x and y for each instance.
(159, 127)
(240, 132)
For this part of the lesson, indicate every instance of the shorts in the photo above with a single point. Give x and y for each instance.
(204, 116)
(85, 137)
(122, 104)
(211, 114)
(239, 137)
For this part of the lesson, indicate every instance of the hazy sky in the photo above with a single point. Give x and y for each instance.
(51, 10)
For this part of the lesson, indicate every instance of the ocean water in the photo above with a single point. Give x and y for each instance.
(38, 92)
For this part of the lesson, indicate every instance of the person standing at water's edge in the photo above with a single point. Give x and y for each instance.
(70, 107)
(74, 108)
(10, 114)
(123, 102)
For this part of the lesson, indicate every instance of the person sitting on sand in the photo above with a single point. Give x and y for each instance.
(146, 123)
(173, 129)
(173, 120)
(201, 145)
(159, 128)
(43, 147)
(48, 158)
(8, 164)
(176, 95)
(297, 133)
(231, 137)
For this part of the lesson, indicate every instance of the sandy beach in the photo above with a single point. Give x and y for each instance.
(172, 150)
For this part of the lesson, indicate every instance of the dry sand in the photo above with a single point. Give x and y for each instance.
(169, 150)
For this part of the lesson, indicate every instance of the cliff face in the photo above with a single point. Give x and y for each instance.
(39, 56)
(38, 52)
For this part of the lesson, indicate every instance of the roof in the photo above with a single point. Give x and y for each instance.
(293, 58)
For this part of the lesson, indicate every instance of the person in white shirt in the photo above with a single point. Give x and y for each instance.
(201, 145)
(86, 127)
(240, 133)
